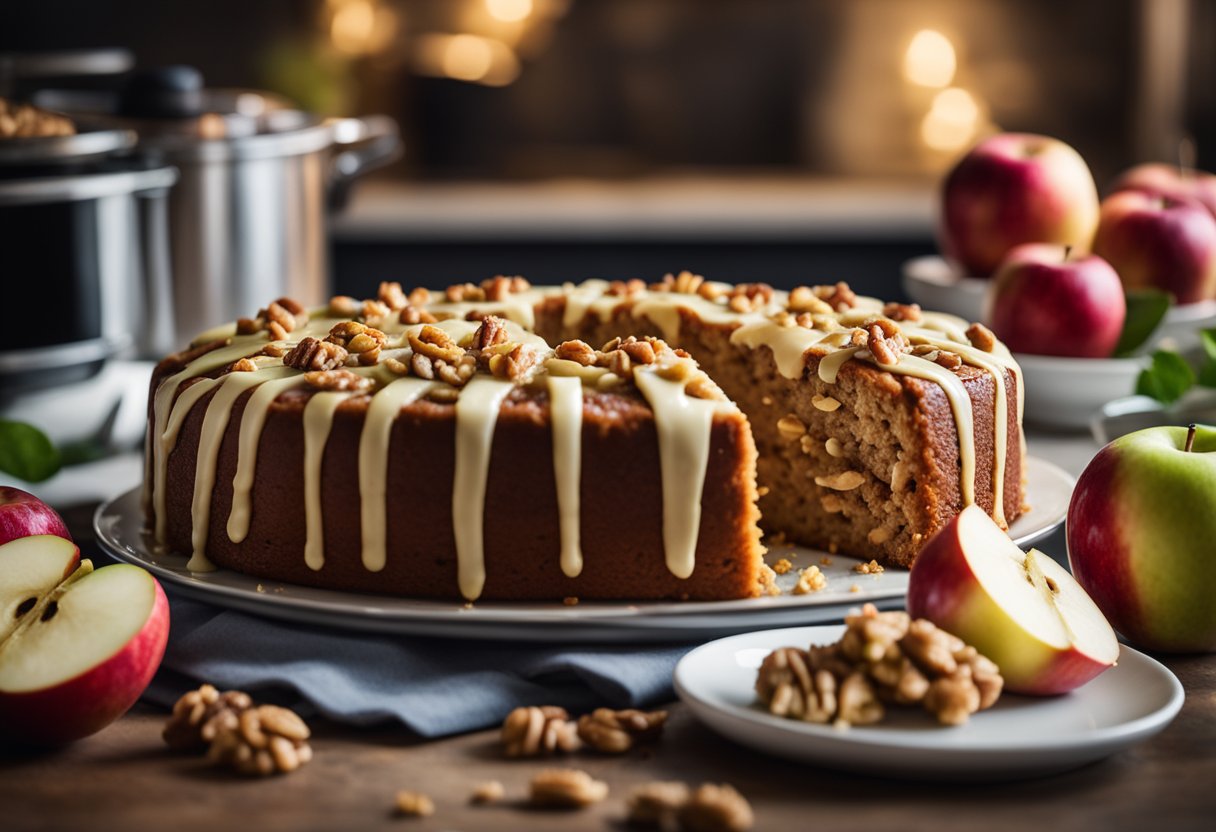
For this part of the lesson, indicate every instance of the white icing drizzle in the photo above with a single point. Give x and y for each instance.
(566, 415)
(788, 343)
(373, 464)
(830, 364)
(683, 425)
(476, 415)
(215, 424)
(318, 420)
(253, 418)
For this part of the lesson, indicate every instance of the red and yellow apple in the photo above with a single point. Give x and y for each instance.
(1011, 189)
(1171, 181)
(78, 645)
(1020, 609)
(1159, 242)
(1141, 537)
(23, 514)
(1045, 302)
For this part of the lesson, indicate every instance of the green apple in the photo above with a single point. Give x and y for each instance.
(1142, 536)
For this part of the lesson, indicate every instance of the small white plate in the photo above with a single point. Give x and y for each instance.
(119, 527)
(936, 286)
(1018, 737)
(1067, 392)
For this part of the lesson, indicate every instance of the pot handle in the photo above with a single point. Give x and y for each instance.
(371, 142)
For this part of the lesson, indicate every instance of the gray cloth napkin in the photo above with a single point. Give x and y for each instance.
(433, 686)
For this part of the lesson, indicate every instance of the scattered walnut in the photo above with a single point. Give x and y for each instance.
(374, 310)
(615, 732)
(803, 300)
(490, 791)
(275, 331)
(715, 808)
(315, 355)
(857, 702)
(392, 295)
(685, 283)
(871, 568)
(413, 804)
(339, 380)
(981, 337)
(655, 803)
(343, 306)
(566, 788)
(462, 292)
(825, 403)
(886, 343)
(639, 352)
(278, 313)
(199, 715)
(790, 427)
(902, 311)
(411, 315)
(267, 740)
(810, 580)
(840, 297)
(580, 352)
(499, 287)
(493, 331)
(249, 326)
(434, 343)
(538, 731)
(27, 121)
(244, 365)
(843, 481)
(515, 363)
(625, 288)
(783, 566)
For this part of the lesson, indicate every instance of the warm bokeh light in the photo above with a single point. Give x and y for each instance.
(360, 27)
(952, 121)
(930, 60)
(509, 11)
(467, 58)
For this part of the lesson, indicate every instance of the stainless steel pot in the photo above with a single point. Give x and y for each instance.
(247, 218)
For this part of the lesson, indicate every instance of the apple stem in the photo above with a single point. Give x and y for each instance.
(1190, 437)
(1067, 253)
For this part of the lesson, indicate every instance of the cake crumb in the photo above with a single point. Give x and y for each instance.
(871, 568)
(855, 588)
(762, 491)
(810, 580)
(414, 804)
(768, 581)
(833, 547)
(782, 566)
(767, 401)
(826, 560)
(572, 600)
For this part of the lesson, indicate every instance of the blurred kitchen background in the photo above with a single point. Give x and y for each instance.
(776, 140)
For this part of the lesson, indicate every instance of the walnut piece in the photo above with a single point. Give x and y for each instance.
(810, 580)
(199, 715)
(981, 337)
(488, 792)
(843, 481)
(580, 352)
(413, 804)
(392, 295)
(539, 731)
(655, 803)
(886, 343)
(314, 355)
(566, 788)
(715, 808)
(434, 343)
(615, 732)
(790, 427)
(493, 331)
(500, 287)
(804, 300)
(840, 297)
(338, 380)
(267, 740)
(902, 311)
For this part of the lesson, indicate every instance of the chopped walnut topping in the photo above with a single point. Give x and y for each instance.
(538, 731)
(419, 297)
(266, 740)
(626, 288)
(834, 447)
(716, 808)
(358, 339)
(902, 311)
(944, 358)
(411, 315)
(464, 292)
(981, 337)
(339, 380)
(435, 343)
(655, 803)
(749, 297)
(843, 481)
(580, 352)
(804, 300)
(685, 283)
(702, 387)
(493, 331)
(783, 566)
(840, 297)
(825, 403)
(342, 306)
(790, 427)
(244, 365)
(199, 715)
(374, 310)
(413, 804)
(499, 287)
(249, 326)
(392, 295)
(275, 331)
(314, 355)
(488, 792)
(810, 580)
(273, 350)
(871, 568)
(566, 788)
(514, 364)
(615, 732)
(277, 313)
(887, 343)
(639, 352)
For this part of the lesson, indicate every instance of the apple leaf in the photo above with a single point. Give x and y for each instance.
(26, 452)
(1145, 310)
(1167, 378)
(1207, 373)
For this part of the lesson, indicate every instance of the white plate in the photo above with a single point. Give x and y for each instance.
(1068, 392)
(1020, 736)
(119, 527)
(936, 286)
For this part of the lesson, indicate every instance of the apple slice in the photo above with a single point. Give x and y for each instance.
(30, 569)
(81, 657)
(1022, 610)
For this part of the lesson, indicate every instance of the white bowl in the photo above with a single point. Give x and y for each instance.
(933, 283)
(1068, 392)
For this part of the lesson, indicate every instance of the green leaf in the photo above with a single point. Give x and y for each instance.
(1167, 378)
(1207, 373)
(1145, 310)
(26, 452)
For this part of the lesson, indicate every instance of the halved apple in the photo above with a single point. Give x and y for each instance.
(1022, 610)
(85, 648)
(22, 514)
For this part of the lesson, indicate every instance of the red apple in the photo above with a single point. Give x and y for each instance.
(1159, 242)
(1022, 610)
(83, 651)
(21, 514)
(1045, 302)
(1171, 181)
(1011, 189)
(1141, 527)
